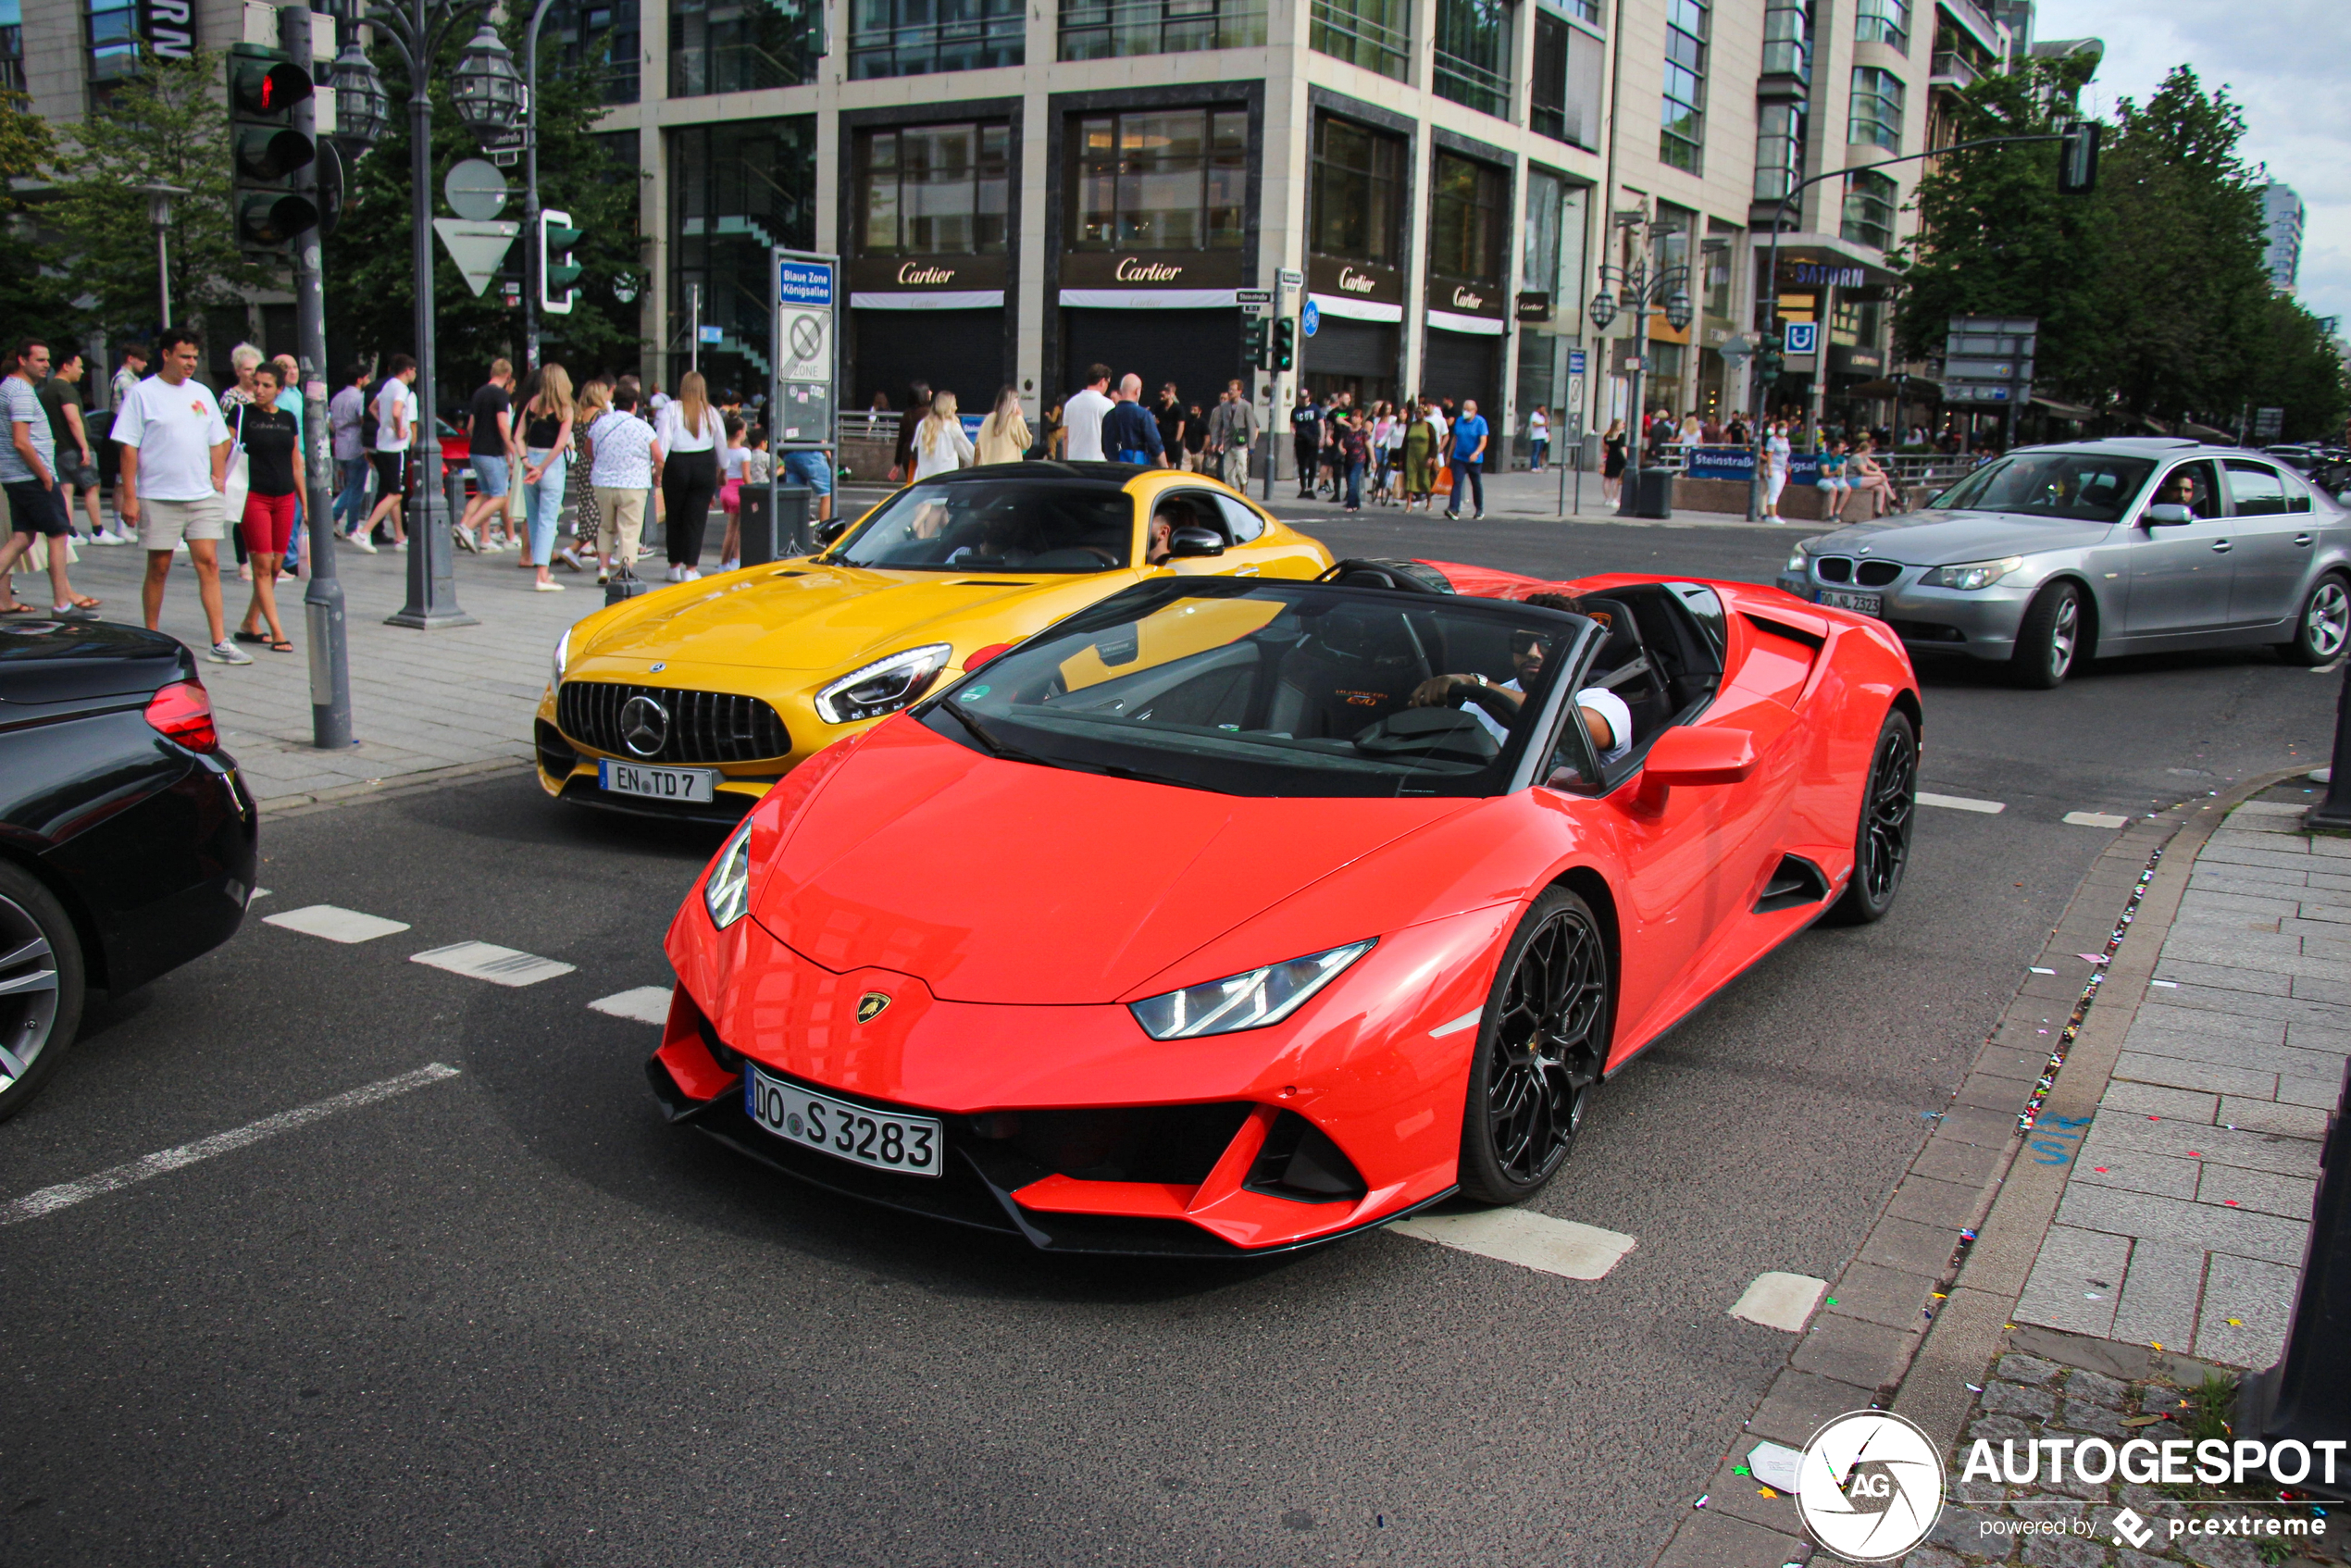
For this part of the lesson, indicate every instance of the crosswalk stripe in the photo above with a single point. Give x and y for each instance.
(1524, 1238)
(1962, 802)
(487, 961)
(646, 1004)
(334, 924)
(2097, 819)
(1780, 1300)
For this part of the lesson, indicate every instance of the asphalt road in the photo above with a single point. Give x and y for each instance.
(510, 1317)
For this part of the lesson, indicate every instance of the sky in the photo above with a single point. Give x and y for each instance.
(2284, 62)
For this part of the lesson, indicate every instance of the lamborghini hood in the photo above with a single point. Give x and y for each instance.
(797, 615)
(997, 881)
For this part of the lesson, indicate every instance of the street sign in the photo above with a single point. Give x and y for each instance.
(2267, 423)
(712, 335)
(1575, 362)
(1803, 337)
(1291, 278)
(806, 350)
(1252, 297)
(478, 249)
(1309, 318)
(1736, 350)
(476, 190)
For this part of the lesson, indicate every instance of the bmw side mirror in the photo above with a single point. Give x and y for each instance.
(2168, 513)
(1194, 541)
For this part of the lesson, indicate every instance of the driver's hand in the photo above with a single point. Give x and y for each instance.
(1434, 692)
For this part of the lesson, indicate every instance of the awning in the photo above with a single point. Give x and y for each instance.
(934, 299)
(1454, 321)
(1148, 299)
(1354, 309)
(2064, 410)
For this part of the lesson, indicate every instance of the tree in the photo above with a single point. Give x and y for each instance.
(32, 294)
(169, 124)
(370, 268)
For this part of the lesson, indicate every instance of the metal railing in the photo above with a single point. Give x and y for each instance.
(866, 424)
(1341, 31)
(1952, 69)
(1102, 29)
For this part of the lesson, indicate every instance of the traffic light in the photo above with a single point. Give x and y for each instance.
(266, 151)
(557, 269)
(1285, 343)
(1253, 342)
(1768, 358)
(2078, 157)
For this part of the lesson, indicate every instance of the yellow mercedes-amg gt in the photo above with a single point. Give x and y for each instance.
(692, 700)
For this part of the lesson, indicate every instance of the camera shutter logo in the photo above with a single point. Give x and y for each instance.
(1870, 1486)
(644, 725)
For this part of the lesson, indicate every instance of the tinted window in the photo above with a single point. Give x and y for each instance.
(2087, 487)
(1008, 525)
(1248, 687)
(2195, 485)
(2255, 489)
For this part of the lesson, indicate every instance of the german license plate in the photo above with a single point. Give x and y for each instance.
(1859, 603)
(657, 783)
(883, 1140)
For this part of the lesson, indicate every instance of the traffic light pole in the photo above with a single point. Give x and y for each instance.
(322, 600)
(533, 262)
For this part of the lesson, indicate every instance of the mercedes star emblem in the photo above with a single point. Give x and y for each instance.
(644, 725)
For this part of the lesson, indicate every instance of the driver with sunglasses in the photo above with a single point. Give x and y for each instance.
(1606, 717)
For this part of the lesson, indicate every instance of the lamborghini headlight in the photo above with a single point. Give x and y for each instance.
(727, 891)
(1972, 575)
(1249, 1001)
(885, 686)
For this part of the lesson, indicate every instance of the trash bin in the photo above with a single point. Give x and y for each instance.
(1648, 493)
(772, 534)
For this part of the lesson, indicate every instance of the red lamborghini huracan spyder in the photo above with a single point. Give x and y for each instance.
(1234, 913)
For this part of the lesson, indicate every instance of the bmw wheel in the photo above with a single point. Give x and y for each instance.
(2323, 626)
(1882, 844)
(40, 987)
(2050, 637)
(1540, 1050)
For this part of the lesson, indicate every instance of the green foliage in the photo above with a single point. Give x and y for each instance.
(371, 263)
(2210, 1403)
(32, 291)
(167, 124)
(2152, 296)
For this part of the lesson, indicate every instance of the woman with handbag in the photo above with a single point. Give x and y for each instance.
(270, 443)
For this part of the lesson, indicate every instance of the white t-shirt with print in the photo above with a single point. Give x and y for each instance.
(175, 429)
(1082, 417)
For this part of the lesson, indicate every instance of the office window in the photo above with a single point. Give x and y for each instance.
(738, 189)
(1564, 98)
(114, 43)
(1883, 21)
(1539, 243)
(922, 37)
(1162, 180)
(933, 190)
(1713, 287)
(1878, 108)
(1376, 34)
(1468, 219)
(1869, 208)
(1787, 38)
(1853, 319)
(594, 35)
(1100, 30)
(740, 46)
(1682, 144)
(1779, 149)
(1359, 190)
(11, 45)
(1472, 53)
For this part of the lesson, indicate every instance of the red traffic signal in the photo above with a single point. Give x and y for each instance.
(263, 88)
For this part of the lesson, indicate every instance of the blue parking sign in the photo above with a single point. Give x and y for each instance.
(802, 283)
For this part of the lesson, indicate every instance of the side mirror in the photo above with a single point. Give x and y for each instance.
(1693, 755)
(827, 533)
(2168, 513)
(1194, 541)
(981, 655)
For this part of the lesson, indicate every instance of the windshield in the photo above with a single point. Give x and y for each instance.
(1263, 688)
(2084, 486)
(1008, 525)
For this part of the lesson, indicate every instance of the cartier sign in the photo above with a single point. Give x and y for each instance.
(926, 272)
(1354, 279)
(1164, 269)
(1134, 270)
(1467, 298)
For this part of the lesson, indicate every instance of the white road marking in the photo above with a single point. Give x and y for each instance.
(257, 896)
(487, 961)
(2038, 970)
(1780, 1300)
(1960, 803)
(49, 1200)
(2322, 775)
(335, 925)
(1524, 1238)
(1466, 1021)
(2097, 819)
(646, 1004)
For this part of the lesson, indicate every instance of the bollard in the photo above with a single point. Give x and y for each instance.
(2307, 1397)
(623, 584)
(2335, 810)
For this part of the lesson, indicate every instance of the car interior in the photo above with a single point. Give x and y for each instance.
(1004, 526)
(1663, 656)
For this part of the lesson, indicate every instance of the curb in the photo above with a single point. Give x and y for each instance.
(1921, 1307)
(305, 804)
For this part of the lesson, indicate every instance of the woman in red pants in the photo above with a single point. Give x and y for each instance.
(272, 443)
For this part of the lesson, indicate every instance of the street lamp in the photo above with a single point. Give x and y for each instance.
(1643, 291)
(419, 29)
(159, 214)
(362, 108)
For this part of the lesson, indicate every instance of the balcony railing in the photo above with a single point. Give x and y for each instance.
(1973, 18)
(1343, 31)
(1952, 70)
(1467, 82)
(1111, 29)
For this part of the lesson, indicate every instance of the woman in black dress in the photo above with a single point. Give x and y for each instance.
(272, 442)
(1612, 459)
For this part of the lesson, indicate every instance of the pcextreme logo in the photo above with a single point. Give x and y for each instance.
(1870, 1486)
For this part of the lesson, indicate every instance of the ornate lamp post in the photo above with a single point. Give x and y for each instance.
(1643, 291)
(489, 97)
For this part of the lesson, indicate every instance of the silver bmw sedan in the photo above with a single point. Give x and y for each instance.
(2050, 555)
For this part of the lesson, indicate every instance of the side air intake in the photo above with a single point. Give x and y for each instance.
(1795, 883)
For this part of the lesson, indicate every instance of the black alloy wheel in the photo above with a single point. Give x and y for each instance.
(1882, 844)
(1540, 1051)
(2323, 625)
(40, 987)
(2050, 637)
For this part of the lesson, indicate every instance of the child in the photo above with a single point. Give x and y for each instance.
(759, 468)
(730, 491)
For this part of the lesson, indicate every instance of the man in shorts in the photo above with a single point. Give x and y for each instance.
(492, 422)
(814, 469)
(28, 472)
(175, 465)
(395, 431)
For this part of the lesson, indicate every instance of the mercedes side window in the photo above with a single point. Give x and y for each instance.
(2255, 489)
(1245, 526)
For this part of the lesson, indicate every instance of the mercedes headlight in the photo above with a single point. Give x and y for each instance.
(1249, 1001)
(1973, 574)
(562, 654)
(727, 891)
(885, 686)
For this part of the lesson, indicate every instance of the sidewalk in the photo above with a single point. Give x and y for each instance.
(421, 702)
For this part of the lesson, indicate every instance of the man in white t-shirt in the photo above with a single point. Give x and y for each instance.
(175, 465)
(395, 406)
(1496, 706)
(1082, 416)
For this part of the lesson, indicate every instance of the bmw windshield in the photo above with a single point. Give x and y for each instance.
(2086, 487)
(1007, 525)
(1251, 687)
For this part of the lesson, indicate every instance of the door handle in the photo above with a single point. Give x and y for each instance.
(2220, 547)
(2303, 539)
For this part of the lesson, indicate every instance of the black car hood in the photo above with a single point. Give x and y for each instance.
(44, 661)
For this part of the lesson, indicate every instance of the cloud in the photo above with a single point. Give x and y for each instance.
(2282, 62)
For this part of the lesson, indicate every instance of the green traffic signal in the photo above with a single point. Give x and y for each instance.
(1285, 343)
(558, 271)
